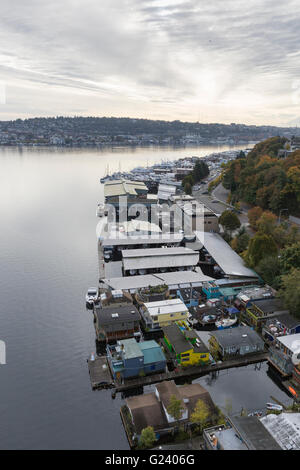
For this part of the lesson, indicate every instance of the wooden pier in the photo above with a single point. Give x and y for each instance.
(190, 372)
(99, 373)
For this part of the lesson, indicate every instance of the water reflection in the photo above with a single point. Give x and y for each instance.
(48, 257)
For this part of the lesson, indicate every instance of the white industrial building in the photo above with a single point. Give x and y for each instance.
(158, 258)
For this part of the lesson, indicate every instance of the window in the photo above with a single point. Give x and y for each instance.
(185, 355)
(185, 359)
(155, 318)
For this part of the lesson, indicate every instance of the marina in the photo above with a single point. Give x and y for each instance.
(59, 258)
(102, 380)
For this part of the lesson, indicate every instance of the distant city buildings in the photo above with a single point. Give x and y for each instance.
(88, 131)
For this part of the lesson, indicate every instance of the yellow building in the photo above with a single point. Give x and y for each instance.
(186, 345)
(164, 312)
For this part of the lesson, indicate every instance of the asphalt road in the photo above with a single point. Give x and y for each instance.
(220, 195)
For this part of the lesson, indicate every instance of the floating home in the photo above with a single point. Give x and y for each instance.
(259, 311)
(237, 341)
(284, 324)
(185, 345)
(250, 294)
(113, 323)
(150, 409)
(240, 433)
(285, 354)
(284, 428)
(130, 359)
(164, 312)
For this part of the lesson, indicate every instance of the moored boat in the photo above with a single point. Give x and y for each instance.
(208, 319)
(274, 406)
(91, 297)
(224, 323)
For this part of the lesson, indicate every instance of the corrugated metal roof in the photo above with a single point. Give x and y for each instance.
(123, 187)
(149, 252)
(183, 277)
(171, 279)
(228, 260)
(159, 258)
(285, 429)
(170, 261)
(133, 282)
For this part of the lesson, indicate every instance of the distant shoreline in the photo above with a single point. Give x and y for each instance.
(121, 146)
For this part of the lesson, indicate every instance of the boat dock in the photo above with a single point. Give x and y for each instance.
(190, 372)
(101, 377)
(99, 373)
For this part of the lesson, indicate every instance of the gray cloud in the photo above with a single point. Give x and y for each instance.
(224, 61)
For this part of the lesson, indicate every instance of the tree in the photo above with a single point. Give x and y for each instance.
(188, 188)
(260, 246)
(230, 221)
(293, 235)
(200, 171)
(175, 408)
(290, 257)
(290, 291)
(148, 437)
(240, 242)
(254, 215)
(269, 269)
(200, 414)
(267, 223)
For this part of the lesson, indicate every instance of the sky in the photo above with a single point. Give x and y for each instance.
(193, 60)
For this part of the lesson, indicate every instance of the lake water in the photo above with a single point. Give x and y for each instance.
(48, 254)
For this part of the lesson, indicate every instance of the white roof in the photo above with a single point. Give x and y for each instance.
(109, 234)
(139, 225)
(228, 260)
(113, 269)
(291, 342)
(173, 279)
(133, 282)
(168, 188)
(165, 307)
(149, 252)
(184, 277)
(159, 258)
(284, 428)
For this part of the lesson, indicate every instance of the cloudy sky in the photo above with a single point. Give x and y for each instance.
(194, 60)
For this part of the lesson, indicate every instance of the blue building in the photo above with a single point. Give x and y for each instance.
(131, 359)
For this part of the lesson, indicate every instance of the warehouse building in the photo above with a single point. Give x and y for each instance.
(145, 261)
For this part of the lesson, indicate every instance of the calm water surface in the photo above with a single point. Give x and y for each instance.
(48, 258)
